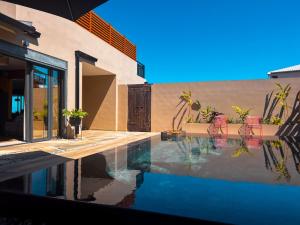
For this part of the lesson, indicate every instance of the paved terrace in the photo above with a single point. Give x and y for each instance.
(18, 159)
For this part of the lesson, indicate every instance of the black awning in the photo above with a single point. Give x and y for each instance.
(70, 9)
(30, 30)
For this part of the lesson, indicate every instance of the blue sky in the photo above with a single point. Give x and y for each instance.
(204, 40)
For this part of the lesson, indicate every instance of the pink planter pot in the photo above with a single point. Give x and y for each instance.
(233, 129)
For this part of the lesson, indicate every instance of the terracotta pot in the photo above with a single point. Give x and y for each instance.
(233, 129)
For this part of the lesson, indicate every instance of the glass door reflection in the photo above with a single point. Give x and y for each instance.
(40, 98)
(56, 103)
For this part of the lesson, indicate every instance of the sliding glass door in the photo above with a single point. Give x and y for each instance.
(40, 100)
(46, 97)
(56, 97)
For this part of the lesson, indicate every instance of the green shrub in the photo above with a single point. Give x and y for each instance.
(242, 113)
(75, 113)
(208, 114)
(282, 95)
(276, 120)
(266, 121)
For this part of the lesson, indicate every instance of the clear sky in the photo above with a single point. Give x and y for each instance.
(202, 40)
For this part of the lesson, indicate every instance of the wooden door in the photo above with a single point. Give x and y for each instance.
(139, 107)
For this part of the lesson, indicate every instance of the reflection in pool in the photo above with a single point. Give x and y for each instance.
(242, 181)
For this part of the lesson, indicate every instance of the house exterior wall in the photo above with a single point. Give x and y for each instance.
(221, 95)
(61, 38)
(8, 9)
(99, 100)
(286, 75)
(123, 107)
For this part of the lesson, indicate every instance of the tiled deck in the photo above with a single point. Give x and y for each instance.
(16, 158)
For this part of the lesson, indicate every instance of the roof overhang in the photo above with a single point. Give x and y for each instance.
(69, 9)
(10, 24)
(281, 72)
(83, 56)
(290, 69)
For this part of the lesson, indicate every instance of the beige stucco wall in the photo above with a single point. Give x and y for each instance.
(123, 107)
(221, 95)
(61, 38)
(8, 9)
(99, 100)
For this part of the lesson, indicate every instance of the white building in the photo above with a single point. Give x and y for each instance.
(288, 72)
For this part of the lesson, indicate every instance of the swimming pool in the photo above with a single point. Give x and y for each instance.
(240, 181)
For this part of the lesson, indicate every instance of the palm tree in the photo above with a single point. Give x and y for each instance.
(186, 105)
(196, 106)
(186, 97)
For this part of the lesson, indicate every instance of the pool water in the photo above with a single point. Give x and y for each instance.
(239, 181)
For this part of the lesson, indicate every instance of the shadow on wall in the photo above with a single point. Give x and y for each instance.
(186, 106)
(179, 116)
(270, 106)
(96, 91)
(292, 125)
(280, 98)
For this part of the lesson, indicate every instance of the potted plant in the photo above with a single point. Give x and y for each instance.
(208, 114)
(242, 112)
(75, 116)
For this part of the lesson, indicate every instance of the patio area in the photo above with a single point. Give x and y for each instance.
(27, 157)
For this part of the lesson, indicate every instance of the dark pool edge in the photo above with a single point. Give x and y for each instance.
(47, 210)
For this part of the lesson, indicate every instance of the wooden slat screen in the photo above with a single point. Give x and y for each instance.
(96, 25)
